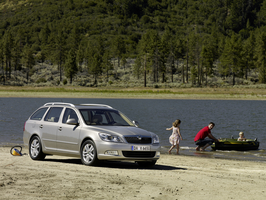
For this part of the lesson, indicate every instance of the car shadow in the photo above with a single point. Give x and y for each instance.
(116, 164)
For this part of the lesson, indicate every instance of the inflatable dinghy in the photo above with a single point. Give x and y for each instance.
(233, 144)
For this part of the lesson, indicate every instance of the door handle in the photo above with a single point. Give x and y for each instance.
(41, 126)
(60, 128)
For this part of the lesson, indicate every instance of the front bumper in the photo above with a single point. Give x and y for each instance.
(123, 151)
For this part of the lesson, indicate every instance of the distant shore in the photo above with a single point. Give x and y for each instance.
(134, 93)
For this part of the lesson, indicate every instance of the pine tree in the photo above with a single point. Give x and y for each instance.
(248, 55)
(261, 56)
(71, 67)
(119, 48)
(59, 50)
(207, 59)
(148, 50)
(230, 59)
(7, 51)
(27, 60)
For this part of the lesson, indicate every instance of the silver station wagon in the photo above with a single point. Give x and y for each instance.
(92, 132)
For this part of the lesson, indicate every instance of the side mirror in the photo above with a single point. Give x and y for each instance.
(136, 123)
(72, 122)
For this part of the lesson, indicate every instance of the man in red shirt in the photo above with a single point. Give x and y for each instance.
(202, 134)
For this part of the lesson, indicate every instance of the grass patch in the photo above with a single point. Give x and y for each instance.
(115, 92)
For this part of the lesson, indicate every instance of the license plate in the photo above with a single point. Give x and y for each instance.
(140, 148)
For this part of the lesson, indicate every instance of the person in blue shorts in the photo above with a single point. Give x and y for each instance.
(202, 134)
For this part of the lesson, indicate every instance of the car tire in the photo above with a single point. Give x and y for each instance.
(147, 163)
(88, 153)
(35, 149)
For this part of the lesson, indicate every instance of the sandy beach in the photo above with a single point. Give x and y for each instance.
(173, 177)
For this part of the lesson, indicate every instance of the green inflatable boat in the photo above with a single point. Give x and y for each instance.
(233, 144)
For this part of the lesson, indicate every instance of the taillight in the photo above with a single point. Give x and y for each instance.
(24, 126)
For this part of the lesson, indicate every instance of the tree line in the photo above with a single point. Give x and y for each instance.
(165, 37)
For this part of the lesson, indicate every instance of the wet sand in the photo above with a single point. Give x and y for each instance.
(173, 177)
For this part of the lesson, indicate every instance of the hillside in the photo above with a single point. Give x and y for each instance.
(128, 43)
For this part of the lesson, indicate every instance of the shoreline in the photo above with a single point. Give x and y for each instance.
(127, 96)
(133, 93)
(173, 177)
(250, 156)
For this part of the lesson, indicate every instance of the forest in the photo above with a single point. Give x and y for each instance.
(158, 40)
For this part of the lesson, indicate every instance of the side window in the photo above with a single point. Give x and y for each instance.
(38, 114)
(69, 114)
(53, 114)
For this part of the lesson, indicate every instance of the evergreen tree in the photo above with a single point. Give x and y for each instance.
(71, 67)
(261, 56)
(137, 67)
(45, 34)
(179, 52)
(80, 56)
(74, 38)
(155, 60)
(107, 64)
(165, 49)
(118, 48)
(194, 50)
(7, 52)
(147, 49)
(95, 58)
(59, 50)
(230, 59)
(2, 77)
(27, 60)
(207, 59)
(247, 55)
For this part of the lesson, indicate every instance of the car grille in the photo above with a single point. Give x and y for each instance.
(136, 140)
(142, 154)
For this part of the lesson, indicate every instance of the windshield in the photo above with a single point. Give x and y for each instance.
(105, 117)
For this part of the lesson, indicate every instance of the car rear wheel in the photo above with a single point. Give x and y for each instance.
(35, 149)
(88, 153)
(147, 163)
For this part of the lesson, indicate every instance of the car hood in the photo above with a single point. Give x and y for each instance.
(123, 131)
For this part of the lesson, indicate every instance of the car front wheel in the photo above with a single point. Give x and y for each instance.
(35, 149)
(88, 153)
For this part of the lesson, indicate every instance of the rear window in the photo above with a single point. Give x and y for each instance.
(53, 114)
(38, 115)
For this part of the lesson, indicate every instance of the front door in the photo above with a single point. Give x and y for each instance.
(68, 135)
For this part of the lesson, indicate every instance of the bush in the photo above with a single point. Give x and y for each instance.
(41, 80)
(64, 81)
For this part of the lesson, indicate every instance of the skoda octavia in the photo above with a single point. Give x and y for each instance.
(92, 132)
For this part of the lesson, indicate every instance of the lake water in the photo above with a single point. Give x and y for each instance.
(230, 117)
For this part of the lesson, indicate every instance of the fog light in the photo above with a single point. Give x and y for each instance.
(111, 153)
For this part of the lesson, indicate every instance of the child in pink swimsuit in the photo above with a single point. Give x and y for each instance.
(175, 137)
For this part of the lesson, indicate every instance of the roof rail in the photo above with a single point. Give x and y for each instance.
(59, 103)
(101, 105)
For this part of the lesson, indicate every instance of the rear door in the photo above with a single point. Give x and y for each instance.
(49, 127)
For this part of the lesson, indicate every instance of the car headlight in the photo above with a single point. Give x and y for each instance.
(155, 139)
(110, 138)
